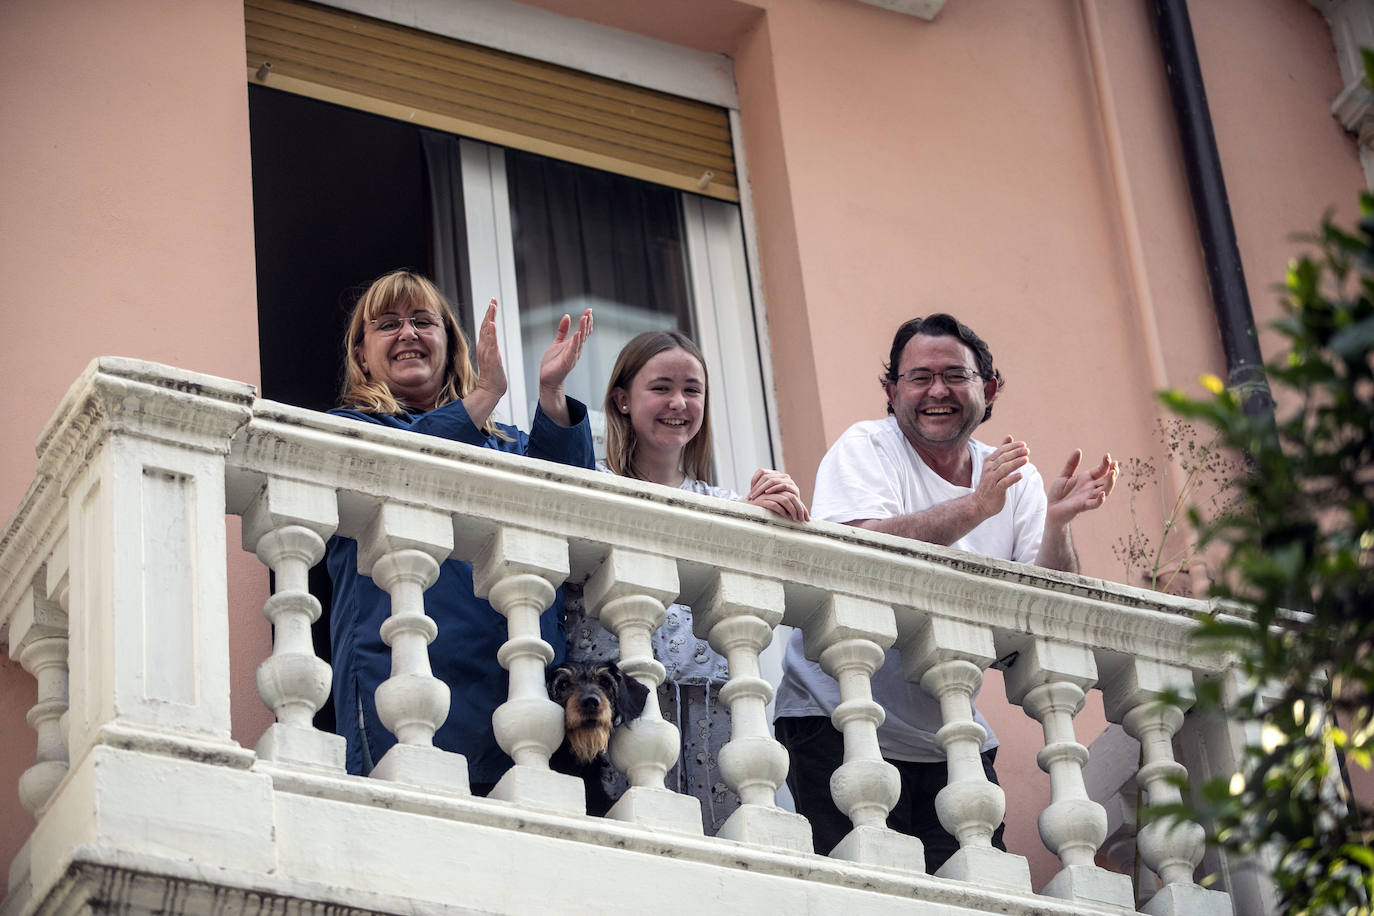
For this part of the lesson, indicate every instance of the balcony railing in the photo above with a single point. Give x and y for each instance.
(113, 595)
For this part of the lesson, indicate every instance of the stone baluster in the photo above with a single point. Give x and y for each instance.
(286, 525)
(519, 572)
(401, 549)
(1212, 744)
(628, 592)
(1136, 696)
(1109, 776)
(38, 641)
(849, 637)
(947, 658)
(737, 614)
(1048, 679)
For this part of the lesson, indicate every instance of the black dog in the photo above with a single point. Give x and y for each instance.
(595, 698)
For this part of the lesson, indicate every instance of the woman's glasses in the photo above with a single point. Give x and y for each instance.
(390, 325)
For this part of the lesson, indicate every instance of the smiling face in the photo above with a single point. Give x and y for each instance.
(938, 419)
(665, 403)
(410, 363)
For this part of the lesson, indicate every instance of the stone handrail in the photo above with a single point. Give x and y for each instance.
(112, 579)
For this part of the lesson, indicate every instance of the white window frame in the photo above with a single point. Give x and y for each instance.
(491, 266)
(717, 278)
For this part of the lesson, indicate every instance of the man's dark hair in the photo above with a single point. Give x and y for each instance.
(942, 325)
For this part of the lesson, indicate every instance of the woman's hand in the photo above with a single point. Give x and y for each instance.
(777, 492)
(491, 372)
(559, 359)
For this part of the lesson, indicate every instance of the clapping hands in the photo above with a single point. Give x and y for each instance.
(560, 359)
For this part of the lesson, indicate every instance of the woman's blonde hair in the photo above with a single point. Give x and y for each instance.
(389, 293)
(620, 433)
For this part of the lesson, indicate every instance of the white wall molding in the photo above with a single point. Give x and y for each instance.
(1352, 28)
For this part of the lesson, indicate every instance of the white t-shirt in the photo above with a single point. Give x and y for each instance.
(873, 472)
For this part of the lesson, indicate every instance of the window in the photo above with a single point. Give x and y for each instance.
(552, 220)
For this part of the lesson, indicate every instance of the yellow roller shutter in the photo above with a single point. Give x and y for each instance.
(478, 92)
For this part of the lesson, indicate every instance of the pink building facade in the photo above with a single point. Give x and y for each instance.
(1016, 164)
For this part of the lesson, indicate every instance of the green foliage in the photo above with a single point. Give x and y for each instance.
(1299, 549)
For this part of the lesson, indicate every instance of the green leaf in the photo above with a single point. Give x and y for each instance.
(1361, 855)
(1354, 342)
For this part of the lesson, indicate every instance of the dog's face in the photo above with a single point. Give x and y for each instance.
(595, 698)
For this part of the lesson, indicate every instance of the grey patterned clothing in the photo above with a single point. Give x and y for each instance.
(689, 696)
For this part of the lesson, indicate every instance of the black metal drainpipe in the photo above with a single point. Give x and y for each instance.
(1226, 276)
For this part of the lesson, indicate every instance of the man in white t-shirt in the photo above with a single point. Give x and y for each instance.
(919, 473)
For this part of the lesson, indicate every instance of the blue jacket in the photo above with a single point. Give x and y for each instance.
(463, 655)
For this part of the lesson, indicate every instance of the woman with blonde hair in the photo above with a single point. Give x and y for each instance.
(658, 428)
(407, 366)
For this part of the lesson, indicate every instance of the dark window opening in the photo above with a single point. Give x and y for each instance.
(339, 198)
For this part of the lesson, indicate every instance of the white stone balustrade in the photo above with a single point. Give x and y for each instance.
(947, 658)
(849, 637)
(38, 641)
(1149, 699)
(519, 572)
(286, 526)
(401, 549)
(1049, 680)
(124, 529)
(628, 593)
(737, 615)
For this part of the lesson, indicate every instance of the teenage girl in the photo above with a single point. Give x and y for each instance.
(658, 429)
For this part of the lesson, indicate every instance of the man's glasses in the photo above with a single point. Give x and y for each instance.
(956, 377)
(390, 325)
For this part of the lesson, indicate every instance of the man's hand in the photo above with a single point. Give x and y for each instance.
(1072, 493)
(1001, 469)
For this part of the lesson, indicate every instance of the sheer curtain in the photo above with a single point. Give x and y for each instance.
(590, 239)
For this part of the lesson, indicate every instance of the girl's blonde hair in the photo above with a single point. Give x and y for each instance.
(620, 434)
(389, 293)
